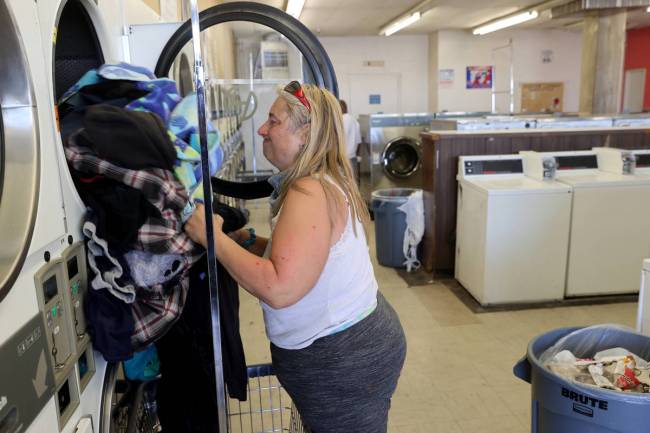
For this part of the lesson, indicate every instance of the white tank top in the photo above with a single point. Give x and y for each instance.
(345, 293)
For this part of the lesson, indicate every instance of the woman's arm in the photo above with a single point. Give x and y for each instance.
(300, 246)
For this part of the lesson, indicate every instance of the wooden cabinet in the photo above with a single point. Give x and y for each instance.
(440, 152)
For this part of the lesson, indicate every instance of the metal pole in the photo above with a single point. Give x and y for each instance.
(251, 72)
(512, 77)
(207, 196)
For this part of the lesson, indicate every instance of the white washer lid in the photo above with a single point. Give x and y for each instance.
(601, 178)
(516, 185)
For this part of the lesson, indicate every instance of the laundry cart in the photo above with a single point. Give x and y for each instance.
(268, 408)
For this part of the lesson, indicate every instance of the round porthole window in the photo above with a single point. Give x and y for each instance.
(401, 158)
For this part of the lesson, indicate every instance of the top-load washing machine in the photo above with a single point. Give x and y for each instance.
(491, 123)
(512, 232)
(624, 161)
(632, 120)
(574, 122)
(610, 230)
(643, 311)
(394, 154)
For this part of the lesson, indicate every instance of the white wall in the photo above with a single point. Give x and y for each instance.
(403, 56)
(119, 13)
(459, 49)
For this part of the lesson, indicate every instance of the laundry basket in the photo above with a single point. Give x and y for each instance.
(268, 408)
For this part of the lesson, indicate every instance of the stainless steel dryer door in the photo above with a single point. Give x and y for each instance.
(401, 158)
(19, 154)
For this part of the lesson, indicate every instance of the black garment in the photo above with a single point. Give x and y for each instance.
(110, 324)
(119, 210)
(114, 92)
(186, 397)
(233, 218)
(128, 138)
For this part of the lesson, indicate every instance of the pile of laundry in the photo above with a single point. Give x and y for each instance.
(615, 369)
(131, 143)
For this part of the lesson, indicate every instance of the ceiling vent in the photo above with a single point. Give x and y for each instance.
(581, 6)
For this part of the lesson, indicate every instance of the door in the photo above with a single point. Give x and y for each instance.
(374, 93)
(502, 80)
(634, 90)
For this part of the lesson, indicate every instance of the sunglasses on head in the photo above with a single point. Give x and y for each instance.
(295, 89)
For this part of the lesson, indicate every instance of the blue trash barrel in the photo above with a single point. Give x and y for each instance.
(390, 225)
(563, 406)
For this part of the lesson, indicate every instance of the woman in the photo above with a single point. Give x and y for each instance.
(337, 346)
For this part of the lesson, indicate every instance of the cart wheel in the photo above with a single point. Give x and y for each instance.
(127, 406)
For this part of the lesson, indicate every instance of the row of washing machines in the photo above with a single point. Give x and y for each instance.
(545, 226)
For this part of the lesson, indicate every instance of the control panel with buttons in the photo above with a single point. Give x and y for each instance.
(50, 286)
(75, 276)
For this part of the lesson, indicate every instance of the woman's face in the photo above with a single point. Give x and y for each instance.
(281, 143)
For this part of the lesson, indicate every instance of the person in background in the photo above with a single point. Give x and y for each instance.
(337, 346)
(352, 133)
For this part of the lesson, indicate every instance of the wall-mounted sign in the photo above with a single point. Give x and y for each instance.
(547, 56)
(374, 100)
(479, 77)
(446, 78)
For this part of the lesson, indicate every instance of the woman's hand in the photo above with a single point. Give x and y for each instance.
(195, 226)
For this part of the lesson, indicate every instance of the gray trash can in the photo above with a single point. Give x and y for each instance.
(563, 406)
(390, 225)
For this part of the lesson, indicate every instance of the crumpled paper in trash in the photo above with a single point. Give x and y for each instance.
(616, 369)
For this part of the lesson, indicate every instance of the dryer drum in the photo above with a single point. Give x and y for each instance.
(401, 158)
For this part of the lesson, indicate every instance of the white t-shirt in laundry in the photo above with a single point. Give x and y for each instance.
(352, 133)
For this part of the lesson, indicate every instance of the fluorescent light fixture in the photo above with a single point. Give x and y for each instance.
(399, 24)
(506, 22)
(648, 10)
(294, 7)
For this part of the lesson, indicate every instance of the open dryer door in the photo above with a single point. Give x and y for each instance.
(249, 49)
(19, 154)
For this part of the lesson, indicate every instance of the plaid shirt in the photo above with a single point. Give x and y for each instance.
(155, 308)
(159, 235)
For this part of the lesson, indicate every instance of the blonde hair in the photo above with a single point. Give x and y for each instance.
(323, 154)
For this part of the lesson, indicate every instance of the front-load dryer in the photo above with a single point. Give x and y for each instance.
(512, 232)
(76, 39)
(610, 228)
(31, 222)
(393, 155)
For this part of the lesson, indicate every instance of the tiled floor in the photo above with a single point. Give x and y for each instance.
(458, 373)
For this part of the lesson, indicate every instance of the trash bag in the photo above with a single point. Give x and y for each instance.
(414, 210)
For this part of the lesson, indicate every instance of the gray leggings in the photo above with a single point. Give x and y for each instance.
(343, 383)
